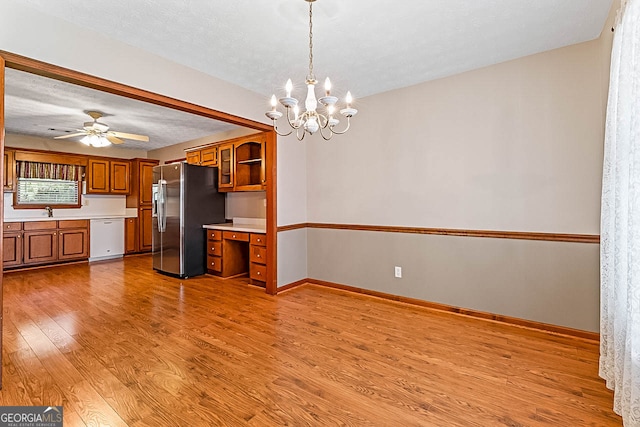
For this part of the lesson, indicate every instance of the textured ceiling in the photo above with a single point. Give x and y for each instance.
(35, 105)
(367, 47)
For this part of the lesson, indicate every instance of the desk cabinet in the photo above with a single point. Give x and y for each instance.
(232, 253)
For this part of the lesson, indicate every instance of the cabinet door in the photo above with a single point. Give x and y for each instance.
(120, 177)
(146, 183)
(225, 167)
(98, 176)
(73, 244)
(193, 157)
(9, 172)
(40, 246)
(12, 249)
(209, 156)
(145, 230)
(249, 164)
(130, 235)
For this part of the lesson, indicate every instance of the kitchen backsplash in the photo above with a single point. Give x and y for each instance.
(92, 205)
(246, 204)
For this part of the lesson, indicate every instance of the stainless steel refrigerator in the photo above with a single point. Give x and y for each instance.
(185, 197)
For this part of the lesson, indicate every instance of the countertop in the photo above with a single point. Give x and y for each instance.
(65, 218)
(246, 225)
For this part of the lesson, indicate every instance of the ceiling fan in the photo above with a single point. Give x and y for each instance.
(99, 135)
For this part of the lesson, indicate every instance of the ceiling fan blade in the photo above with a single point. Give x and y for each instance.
(129, 136)
(71, 135)
(113, 139)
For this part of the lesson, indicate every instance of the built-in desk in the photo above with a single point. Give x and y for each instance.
(235, 249)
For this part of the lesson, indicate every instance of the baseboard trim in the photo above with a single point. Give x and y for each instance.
(518, 235)
(292, 285)
(514, 321)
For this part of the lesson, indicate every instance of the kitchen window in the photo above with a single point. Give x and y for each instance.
(47, 184)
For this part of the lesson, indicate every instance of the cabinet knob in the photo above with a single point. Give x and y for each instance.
(258, 256)
(213, 263)
(19, 236)
(258, 273)
(54, 233)
(234, 236)
(213, 249)
(259, 240)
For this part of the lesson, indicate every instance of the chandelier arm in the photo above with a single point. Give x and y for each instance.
(326, 138)
(345, 129)
(290, 121)
(300, 137)
(275, 128)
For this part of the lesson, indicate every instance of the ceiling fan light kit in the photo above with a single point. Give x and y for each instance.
(311, 121)
(97, 134)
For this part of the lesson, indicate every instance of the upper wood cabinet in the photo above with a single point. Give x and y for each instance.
(9, 180)
(193, 157)
(108, 176)
(240, 161)
(207, 156)
(250, 164)
(225, 167)
(120, 177)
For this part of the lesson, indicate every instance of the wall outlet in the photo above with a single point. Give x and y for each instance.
(398, 272)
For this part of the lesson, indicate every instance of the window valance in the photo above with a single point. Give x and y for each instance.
(48, 171)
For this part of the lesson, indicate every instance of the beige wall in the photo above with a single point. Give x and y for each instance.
(516, 146)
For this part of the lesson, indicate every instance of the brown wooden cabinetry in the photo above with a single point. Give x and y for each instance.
(227, 254)
(203, 157)
(73, 239)
(45, 242)
(232, 253)
(240, 161)
(225, 167)
(12, 244)
(106, 176)
(130, 235)
(209, 156)
(249, 163)
(258, 258)
(145, 229)
(141, 198)
(9, 179)
(193, 157)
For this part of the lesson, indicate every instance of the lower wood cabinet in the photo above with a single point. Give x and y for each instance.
(45, 242)
(130, 235)
(231, 253)
(258, 258)
(145, 244)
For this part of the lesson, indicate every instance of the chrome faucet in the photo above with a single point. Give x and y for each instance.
(49, 211)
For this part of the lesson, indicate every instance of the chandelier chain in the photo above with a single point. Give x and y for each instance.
(311, 76)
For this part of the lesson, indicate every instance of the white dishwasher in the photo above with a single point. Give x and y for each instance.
(107, 238)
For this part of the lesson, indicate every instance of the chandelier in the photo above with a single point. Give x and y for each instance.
(311, 121)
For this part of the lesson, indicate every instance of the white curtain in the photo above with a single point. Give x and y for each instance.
(620, 221)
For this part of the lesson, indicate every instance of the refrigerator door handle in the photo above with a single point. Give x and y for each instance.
(162, 209)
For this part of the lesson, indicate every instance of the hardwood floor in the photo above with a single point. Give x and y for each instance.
(117, 344)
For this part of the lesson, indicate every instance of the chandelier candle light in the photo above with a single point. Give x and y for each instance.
(311, 121)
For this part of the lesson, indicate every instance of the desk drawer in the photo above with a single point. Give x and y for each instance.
(234, 235)
(258, 239)
(214, 235)
(214, 248)
(258, 255)
(214, 263)
(258, 272)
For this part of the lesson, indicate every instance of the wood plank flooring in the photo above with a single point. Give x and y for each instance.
(118, 344)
